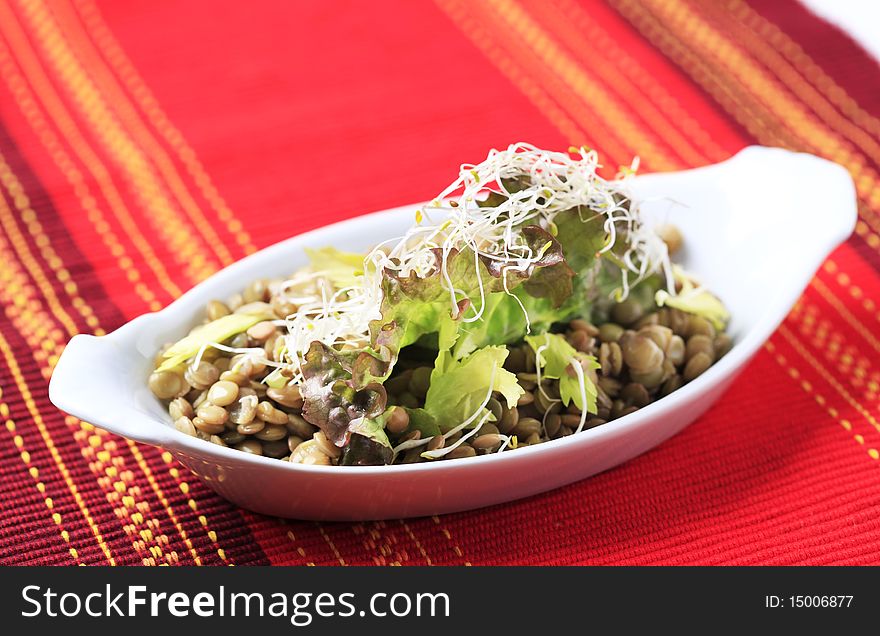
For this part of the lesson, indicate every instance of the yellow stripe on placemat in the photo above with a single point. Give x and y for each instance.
(797, 70)
(809, 68)
(28, 217)
(766, 116)
(591, 91)
(25, 393)
(811, 360)
(19, 87)
(844, 358)
(384, 546)
(26, 458)
(102, 37)
(112, 476)
(330, 543)
(295, 542)
(97, 445)
(22, 252)
(599, 108)
(456, 549)
(475, 31)
(817, 397)
(866, 333)
(416, 541)
(623, 74)
(60, 114)
(856, 293)
(136, 452)
(182, 243)
(34, 77)
(183, 485)
(71, 30)
(788, 76)
(673, 26)
(142, 97)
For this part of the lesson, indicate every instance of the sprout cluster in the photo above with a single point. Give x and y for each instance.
(483, 211)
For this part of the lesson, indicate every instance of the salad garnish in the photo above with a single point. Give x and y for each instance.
(517, 245)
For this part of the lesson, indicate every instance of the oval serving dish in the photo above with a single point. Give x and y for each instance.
(756, 228)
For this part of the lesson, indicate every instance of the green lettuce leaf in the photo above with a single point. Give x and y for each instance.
(581, 232)
(695, 300)
(503, 321)
(276, 379)
(423, 319)
(422, 421)
(458, 387)
(416, 306)
(343, 269)
(555, 357)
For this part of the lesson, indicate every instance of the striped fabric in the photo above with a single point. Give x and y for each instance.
(145, 145)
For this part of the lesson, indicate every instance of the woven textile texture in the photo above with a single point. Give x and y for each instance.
(144, 145)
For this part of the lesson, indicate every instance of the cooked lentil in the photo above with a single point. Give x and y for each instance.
(461, 452)
(223, 393)
(487, 442)
(207, 427)
(216, 309)
(167, 384)
(268, 413)
(251, 446)
(398, 422)
(202, 376)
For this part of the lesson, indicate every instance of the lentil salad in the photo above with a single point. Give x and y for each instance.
(528, 302)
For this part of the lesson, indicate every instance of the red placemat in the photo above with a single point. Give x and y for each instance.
(144, 145)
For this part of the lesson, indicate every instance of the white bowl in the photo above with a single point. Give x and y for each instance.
(756, 228)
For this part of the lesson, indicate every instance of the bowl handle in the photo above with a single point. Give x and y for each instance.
(91, 382)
